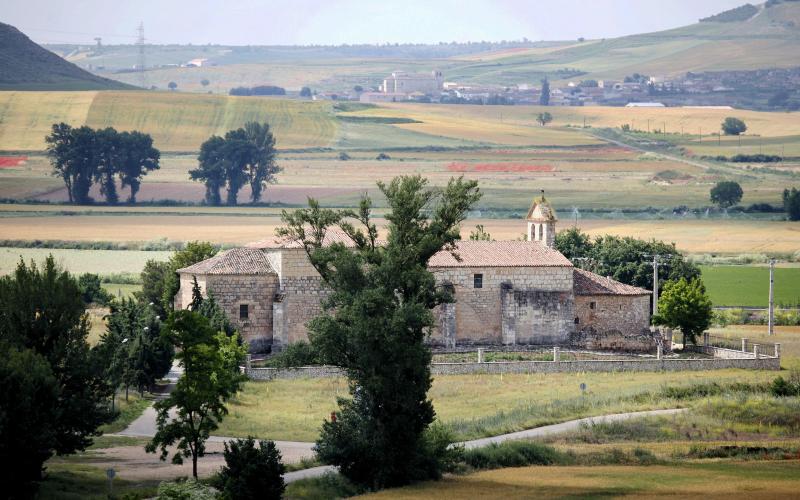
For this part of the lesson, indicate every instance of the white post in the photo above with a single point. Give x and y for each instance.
(480, 355)
(660, 352)
(777, 350)
(556, 357)
(755, 350)
(744, 345)
(771, 328)
(248, 363)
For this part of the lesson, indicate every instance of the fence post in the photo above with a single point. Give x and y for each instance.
(777, 350)
(660, 352)
(480, 355)
(744, 345)
(556, 354)
(705, 339)
(248, 363)
(755, 350)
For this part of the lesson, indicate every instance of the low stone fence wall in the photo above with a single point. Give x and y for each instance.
(745, 361)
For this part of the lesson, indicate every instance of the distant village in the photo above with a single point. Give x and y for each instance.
(758, 88)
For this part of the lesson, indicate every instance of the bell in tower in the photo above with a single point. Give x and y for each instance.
(542, 222)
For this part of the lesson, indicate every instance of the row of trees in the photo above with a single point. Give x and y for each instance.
(83, 156)
(244, 156)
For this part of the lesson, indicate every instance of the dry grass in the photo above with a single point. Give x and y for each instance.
(474, 404)
(754, 480)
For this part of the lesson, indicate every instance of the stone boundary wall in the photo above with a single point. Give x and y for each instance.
(496, 367)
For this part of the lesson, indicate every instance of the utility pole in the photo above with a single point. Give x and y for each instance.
(656, 263)
(141, 61)
(771, 328)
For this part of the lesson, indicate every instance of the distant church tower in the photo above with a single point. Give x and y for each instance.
(542, 222)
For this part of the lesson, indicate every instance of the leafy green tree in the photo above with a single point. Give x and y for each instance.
(154, 277)
(375, 323)
(73, 155)
(238, 154)
(92, 291)
(252, 472)
(29, 412)
(480, 234)
(137, 158)
(791, 203)
(262, 169)
(172, 86)
(358, 89)
(726, 194)
(137, 353)
(305, 92)
(211, 169)
(685, 305)
(211, 377)
(544, 98)
(626, 259)
(194, 252)
(733, 126)
(204, 82)
(41, 309)
(544, 118)
(108, 148)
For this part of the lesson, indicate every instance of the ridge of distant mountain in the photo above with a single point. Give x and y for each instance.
(24, 65)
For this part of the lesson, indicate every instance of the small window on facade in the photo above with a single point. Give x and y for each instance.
(244, 311)
(478, 281)
(592, 305)
(577, 320)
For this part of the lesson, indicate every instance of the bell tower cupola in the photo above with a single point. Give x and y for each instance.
(542, 222)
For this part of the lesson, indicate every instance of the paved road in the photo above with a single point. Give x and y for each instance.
(293, 451)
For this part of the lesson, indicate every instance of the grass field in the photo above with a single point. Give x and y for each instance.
(472, 405)
(763, 479)
(749, 285)
(81, 261)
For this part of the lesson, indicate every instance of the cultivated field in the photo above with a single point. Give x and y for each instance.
(81, 261)
(749, 285)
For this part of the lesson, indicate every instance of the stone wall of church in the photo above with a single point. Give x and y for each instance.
(233, 291)
(515, 305)
(300, 300)
(628, 314)
(254, 291)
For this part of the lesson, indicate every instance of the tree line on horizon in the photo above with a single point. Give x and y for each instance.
(83, 156)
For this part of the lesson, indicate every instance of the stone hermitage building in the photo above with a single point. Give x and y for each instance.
(508, 293)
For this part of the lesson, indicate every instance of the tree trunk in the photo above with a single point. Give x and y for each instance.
(194, 463)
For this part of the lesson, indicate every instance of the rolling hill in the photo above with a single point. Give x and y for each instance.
(759, 36)
(24, 65)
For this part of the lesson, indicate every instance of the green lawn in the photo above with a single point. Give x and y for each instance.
(749, 285)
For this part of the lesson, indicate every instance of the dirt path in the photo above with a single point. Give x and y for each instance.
(133, 463)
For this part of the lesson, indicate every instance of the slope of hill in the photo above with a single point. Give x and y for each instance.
(765, 38)
(26, 66)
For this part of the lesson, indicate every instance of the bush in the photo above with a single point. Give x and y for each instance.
(252, 472)
(189, 489)
(295, 354)
(344, 156)
(733, 126)
(512, 454)
(382, 156)
(92, 291)
(785, 388)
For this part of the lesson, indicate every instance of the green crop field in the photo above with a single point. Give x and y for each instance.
(749, 285)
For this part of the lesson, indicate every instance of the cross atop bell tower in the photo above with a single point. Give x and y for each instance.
(542, 222)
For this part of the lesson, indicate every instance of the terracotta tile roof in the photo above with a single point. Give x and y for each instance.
(233, 261)
(586, 283)
(500, 254)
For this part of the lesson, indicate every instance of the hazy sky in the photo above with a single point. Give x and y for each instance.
(290, 22)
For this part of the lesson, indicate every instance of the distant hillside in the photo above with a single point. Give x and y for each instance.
(24, 65)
